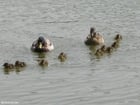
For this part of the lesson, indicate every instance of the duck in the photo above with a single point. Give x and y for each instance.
(115, 44)
(8, 66)
(103, 48)
(62, 57)
(99, 52)
(118, 37)
(20, 64)
(109, 49)
(43, 62)
(42, 45)
(94, 38)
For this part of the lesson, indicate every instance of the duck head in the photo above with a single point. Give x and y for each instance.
(92, 30)
(41, 42)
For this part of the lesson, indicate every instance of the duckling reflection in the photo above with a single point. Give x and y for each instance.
(43, 62)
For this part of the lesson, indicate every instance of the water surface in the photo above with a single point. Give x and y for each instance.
(83, 79)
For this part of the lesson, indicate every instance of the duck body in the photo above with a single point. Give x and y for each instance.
(94, 38)
(42, 45)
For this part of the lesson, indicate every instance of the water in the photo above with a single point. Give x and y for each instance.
(83, 79)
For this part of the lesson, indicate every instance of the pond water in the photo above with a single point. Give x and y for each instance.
(83, 79)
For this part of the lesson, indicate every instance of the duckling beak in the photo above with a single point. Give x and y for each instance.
(40, 45)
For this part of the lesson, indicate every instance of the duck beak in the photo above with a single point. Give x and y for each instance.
(40, 45)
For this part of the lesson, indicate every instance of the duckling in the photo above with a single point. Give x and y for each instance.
(103, 48)
(20, 64)
(8, 66)
(43, 63)
(99, 52)
(109, 49)
(62, 57)
(118, 37)
(115, 44)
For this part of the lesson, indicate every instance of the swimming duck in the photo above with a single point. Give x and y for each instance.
(43, 63)
(99, 52)
(118, 37)
(115, 44)
(20, 64)
(42, 45)
(109, 49)
(62, 57)
(94, 38)
(8, 66)
(103, 48)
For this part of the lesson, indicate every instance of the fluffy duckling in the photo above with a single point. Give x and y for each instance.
(8, 66)
(43, 63)
(103, 48)
(20, 64)
(99, 52)
(115, 44)
(62, 57)
(118, 37)
(109, 49)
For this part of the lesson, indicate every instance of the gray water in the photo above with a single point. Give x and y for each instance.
(82, 79)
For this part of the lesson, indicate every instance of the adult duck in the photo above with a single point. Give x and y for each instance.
(94, 38)
(42, 45)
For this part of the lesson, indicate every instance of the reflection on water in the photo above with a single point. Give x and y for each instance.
(40, 55)
(16, 70)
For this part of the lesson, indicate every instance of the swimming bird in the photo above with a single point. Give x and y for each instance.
(118, 37)
(20, 64)
(94, 38)
(103, 48)
(109, 49)
(8, 66)
(42, 45)
(115, 44)
(62, 57)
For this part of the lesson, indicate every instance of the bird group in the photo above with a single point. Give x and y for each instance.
(45, 45)
(109, 49)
